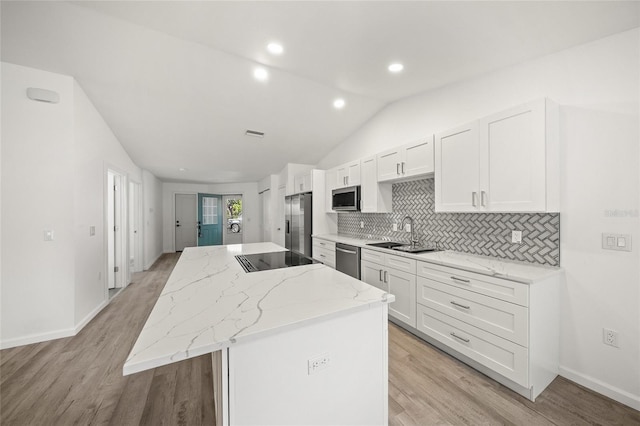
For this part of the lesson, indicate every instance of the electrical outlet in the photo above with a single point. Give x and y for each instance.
(318, 363)
(516, 237)
(407, 227)
(395, 226)
(361, 224)
(610, 337)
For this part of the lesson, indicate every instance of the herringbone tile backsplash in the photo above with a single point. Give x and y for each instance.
(478, 233)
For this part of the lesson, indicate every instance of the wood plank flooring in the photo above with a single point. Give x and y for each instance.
(78, 380)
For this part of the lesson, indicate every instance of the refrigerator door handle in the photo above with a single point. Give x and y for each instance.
(286, 228)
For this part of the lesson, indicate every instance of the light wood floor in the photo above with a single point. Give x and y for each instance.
(78, 380)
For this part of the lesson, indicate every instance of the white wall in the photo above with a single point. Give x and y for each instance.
(597, 86)
(54, 162)
(37, 195)
(152, 216)
(251, 207)
(95, 149)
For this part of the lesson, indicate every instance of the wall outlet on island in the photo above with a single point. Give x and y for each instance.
(318, 363)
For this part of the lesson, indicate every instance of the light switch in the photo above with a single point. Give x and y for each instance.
(92, 231)
(618, 242)
(48, 235)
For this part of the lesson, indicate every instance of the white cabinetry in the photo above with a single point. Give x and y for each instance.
(407, 161)
(330, 184)
(506, 329)
(324, 251)
(348, 174)
(507, 162)
(395, 275)
(375, 197)
(303, 182)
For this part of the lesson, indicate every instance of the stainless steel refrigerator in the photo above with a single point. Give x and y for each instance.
(297, 235)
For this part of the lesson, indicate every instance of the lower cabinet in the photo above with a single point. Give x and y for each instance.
(324, 251)
(506, 329)
(401, 284)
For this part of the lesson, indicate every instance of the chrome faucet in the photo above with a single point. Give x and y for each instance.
(413, 240)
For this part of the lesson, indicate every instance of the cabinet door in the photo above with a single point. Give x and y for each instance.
(457, 170)
(353, 173)
(373, 274)
(403, 286)
(330, 184)
(389, 164)
(512, 159)
(375, 197)
(418, 158)
(342, 174)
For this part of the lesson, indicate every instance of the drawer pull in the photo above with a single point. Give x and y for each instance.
(381, 279)
(459, 279)
(459, 305)
(459, 338)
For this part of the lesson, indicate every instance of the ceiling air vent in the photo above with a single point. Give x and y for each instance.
(254, 133)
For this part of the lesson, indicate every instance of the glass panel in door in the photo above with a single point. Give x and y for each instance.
(209, 220)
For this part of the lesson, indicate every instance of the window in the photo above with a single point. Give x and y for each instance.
(209, 211)
(234, 214)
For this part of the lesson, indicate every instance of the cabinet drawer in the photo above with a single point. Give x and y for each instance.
(499, 288)
(326, 256)
(501, 318)
(372, 256)
(317, 242)
(401, 263)
(500, 355)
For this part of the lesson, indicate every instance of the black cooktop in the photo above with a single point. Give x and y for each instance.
(273, 260)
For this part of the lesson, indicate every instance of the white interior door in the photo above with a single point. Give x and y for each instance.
(186, 226)
(116, 240)
(135, 228)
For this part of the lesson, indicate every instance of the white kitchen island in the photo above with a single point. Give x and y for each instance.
(298, 345)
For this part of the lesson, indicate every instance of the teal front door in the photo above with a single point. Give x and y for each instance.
(209, 220)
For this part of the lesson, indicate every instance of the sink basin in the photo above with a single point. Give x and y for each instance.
(385, 244)
(407, 248)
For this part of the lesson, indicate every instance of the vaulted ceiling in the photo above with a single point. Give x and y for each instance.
(174, 79)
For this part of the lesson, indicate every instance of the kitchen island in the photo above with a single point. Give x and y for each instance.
(297, 345)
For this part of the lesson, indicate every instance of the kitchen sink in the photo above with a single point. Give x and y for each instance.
(386, 244)
(408, 248)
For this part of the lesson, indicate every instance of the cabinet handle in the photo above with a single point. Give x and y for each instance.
(386, 277)
(459, 279)
(301, 187)
(459, 305)
(346, 178)
(397, 168)
(322, 255)
(482, 198)
(459, 338)
(380, 278)
(402, 167)
(474, 195)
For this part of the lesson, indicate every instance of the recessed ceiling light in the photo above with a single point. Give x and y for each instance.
(260, 74)
(339, 103)
(275, 48)
(396, 67)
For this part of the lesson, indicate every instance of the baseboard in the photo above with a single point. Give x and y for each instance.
(150, 264)
(90, 316)
(599, 386)
(37, 338)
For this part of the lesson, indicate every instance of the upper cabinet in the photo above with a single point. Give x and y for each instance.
(507, 162)
(374, 197)
(348, 174)
(303, 182)
(407, 161)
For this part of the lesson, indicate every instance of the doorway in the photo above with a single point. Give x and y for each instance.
(234, 227)
(135, 228)
(209, 220)
(116, 240)
(186, 229)
(265, 198)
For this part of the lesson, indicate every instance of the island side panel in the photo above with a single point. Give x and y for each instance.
(220, 386)
(270, 382)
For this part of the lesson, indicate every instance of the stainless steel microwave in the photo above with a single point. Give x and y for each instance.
(346, 199)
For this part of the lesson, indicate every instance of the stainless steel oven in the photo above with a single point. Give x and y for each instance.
(348, 259)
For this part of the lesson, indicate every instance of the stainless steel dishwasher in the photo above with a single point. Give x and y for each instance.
(348, 259)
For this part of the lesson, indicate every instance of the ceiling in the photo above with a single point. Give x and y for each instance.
(174, 79)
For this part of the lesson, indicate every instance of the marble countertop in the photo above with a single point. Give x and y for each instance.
(527, 273)
(210, 303)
